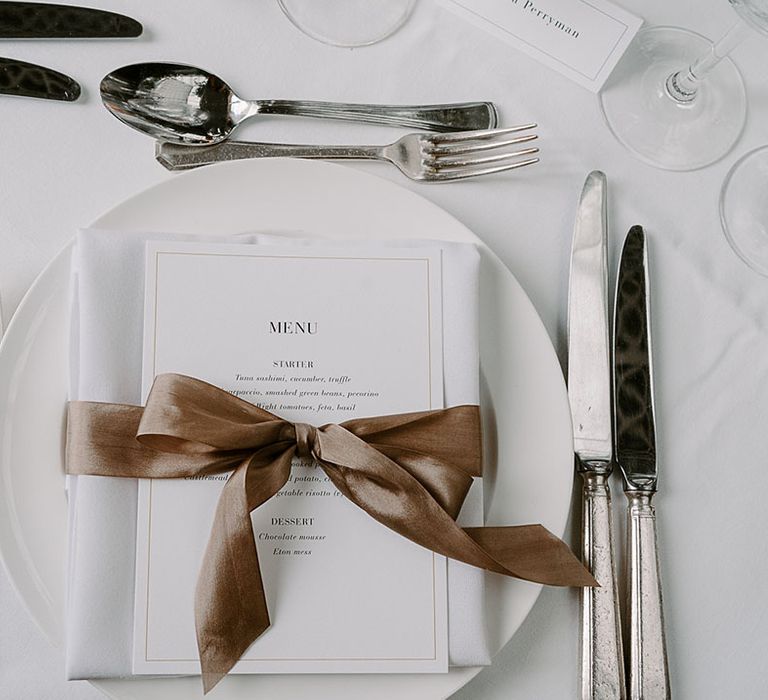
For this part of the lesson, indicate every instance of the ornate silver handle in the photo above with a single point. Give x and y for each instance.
(648, 667)
(460, 116)
(602, 660)
(175, 157)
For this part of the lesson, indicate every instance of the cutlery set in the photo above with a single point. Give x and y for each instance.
(615, 426)
(191, 113)
(184, 107)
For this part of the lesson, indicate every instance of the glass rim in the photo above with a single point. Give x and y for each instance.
(761, 269)
(751, 17)
(330, 41)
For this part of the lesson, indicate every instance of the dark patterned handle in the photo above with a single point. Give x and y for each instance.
(32, 20)
(28, 80)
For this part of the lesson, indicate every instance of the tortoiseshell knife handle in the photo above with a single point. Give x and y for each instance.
(34, 20)
(28, 80)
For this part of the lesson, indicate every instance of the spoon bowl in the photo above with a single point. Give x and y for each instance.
(171, 102)
(182, 104)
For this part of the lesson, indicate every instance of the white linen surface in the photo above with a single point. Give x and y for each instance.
(107, 313)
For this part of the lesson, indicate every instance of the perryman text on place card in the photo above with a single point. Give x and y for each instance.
(582, 39)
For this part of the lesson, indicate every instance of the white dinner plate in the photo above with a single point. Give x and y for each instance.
(529, 459)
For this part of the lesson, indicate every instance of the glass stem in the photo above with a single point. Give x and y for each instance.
(683, 85)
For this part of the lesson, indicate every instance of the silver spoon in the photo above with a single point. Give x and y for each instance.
(187, 105)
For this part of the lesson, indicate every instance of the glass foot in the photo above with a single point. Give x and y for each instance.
(744, 209)
(348, 23)
(660, 130)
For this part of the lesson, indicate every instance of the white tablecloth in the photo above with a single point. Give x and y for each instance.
(63, 164)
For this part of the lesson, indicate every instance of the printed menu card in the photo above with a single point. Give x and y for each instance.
(317, 335)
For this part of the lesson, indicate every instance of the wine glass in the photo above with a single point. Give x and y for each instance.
(744, 209)
(677, 117)
(348, 22)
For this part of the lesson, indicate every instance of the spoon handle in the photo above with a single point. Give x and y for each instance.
(460, 116)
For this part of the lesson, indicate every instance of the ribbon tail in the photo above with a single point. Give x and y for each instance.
(211, 680)
(394, 497)
(533, 553)
(230, 602)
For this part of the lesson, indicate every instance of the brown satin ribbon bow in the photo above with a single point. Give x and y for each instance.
(410, 472)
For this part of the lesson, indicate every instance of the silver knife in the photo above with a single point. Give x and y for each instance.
(589, 391)
(636, 456)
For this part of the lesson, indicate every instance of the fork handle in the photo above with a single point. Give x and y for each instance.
(648, 667)
(602, 660)
(176, 157)
(460, 116)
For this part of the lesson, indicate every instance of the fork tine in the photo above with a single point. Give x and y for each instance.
(479, 134)
(464, 173)
(459, 148)
(443, 162)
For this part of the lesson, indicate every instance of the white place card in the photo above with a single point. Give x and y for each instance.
(314, 335)
(582, 39)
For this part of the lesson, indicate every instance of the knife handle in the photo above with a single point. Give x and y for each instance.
(602, 659)
(29, 80)
(648, 667)
(36, 20)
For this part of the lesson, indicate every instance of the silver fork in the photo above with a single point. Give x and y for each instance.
(424, 157)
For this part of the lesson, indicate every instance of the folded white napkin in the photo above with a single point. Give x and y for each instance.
(107, 323)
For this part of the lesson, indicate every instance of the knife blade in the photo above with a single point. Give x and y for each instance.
(34, 20)
(635, 434)
(589, 392)
(29, 80)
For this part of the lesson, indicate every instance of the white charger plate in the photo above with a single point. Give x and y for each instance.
(529, 451)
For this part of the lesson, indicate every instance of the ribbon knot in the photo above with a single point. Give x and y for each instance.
(409, 471)
(305, 439)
